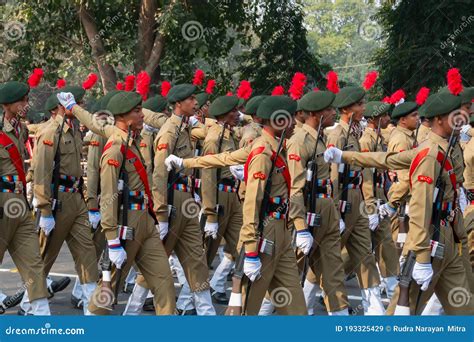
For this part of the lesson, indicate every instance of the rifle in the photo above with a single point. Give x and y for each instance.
(234, 310)
(106, 286)
(55, 203)
(344, 171)
(402, 225)
(208, 243)
(313, 218)
(405, 279)
(374, 184)
(415, 143)
(123, 208)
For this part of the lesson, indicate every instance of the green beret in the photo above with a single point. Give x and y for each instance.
(422, 111)
(276, 107)
(13, 91)
(467, 95)
(104, 101)
(241, 102)
(123, 102)
(316, 101)
(96, 106)
(441, 103)
(404, 109)
(78, 92)
(180, 92)
(202, 99)
(348, 96)
(252, 104)
(51, 103)
(223, 105)
(376, 108)
(156, 103)
(298, 105)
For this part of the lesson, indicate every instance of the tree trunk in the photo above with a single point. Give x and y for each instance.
(107, 73)
(146, 33)
(153, 63)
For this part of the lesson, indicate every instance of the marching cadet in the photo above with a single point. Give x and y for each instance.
(373, 189)
(306, 147)
(145, 248)
(221, 207)
(300, 117)
(347, 180)
(438, 267)
(58, 192)
(177, 205)
(469, 188)
(17, 235)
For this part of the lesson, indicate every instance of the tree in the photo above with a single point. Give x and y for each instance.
(423, 40)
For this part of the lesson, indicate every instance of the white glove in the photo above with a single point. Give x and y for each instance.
(150, 128)
(462, 199)
(342, 226)
(193, 121)
(304, 241)
(163, 229)
(241, 116)
(197, 199)
(34, 202)
(422, 274)
(117, 254)
(387, 210)
(237, 171)
(210, 229)
(173, 162)
(252, 267)
(466, 133)
(47, 224)
(66, 100)
(94, 218)
(333, 155)
(373, 222)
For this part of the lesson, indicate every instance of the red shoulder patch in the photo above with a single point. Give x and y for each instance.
(162, 147)
(94, 143)
(48, 142)
(365, 150)
(259, 175)
(113, 162)
(294, 157)
(142, 144)
(426, 179)
(209, 154)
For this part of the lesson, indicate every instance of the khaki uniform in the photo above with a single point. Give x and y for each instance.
(469, 186)
(325, 259)
(229, 217)
(17, 233)
(250, 132)
(184, 235)
(449, 272)
(383, 245)
(422, 133)
(356, 237)
(386, 132)
(148, 152)
(279, 270)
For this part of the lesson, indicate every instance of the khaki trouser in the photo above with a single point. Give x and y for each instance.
(279, 275)
(466, 226)
(356, 238)
(185, 238)
(72, 226)
(230, 222)
(18, 237)
(98, 237)
(325, 260)
(469, 225)
(449, 282)
(385, 250)
(148, 252)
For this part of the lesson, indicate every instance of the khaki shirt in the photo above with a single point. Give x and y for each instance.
(148, 152)
(70, 165)
(469, 171)
(401, 139)
(209, 179)
(171, 141)
(94, 153)
(423, 133)
(6, 165)
(367, 144)
(300, 152)
(386, 132)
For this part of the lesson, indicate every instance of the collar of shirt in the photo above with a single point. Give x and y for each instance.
(272, 140)
(406, 131)
(59, 119)
(313, 132)
(176, 119)
(123, 134)
(439, 140)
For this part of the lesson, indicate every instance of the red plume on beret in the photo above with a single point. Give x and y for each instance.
(210, 86)
(386, 99)
(422, 95)
(129, 82)
(165, 88)
(229, 93)
(278, 90)
(370, 80)
(454, 81)
(90, 81)
(119, 86)
(61, 83)
(332, 84)
(397, 96)
(143, 84)
(244, 91)
(198, 78)
(297, 86)
(35, 77)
